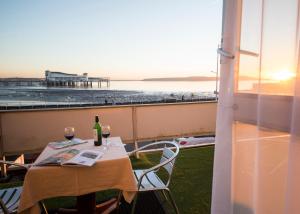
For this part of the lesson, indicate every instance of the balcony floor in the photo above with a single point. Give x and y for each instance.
(191, 184)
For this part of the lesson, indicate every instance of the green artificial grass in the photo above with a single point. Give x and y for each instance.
(191, 182)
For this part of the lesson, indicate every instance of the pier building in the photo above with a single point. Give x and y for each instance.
(55, 78)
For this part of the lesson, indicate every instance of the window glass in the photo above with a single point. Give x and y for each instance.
(278, 64)
(251, 25)
(248, 77)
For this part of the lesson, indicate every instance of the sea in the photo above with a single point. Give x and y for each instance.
(118, 92)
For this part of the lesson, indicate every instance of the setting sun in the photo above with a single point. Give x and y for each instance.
(283, 75)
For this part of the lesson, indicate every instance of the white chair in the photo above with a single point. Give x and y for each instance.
(10, 197)
(149, 180)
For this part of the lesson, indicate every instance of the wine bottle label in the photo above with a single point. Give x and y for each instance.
(95, 135)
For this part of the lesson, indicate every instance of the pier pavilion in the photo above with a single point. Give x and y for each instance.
(54, 78)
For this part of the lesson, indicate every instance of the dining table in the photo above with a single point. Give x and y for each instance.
(112, 170)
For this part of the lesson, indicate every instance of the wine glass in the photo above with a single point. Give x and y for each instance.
(69, 133)
(105, 133)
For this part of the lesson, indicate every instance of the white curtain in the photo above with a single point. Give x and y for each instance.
(257, 152)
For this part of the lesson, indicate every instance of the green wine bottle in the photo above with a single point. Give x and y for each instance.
(97, 132)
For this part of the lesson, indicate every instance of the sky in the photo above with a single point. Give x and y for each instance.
(120, 39)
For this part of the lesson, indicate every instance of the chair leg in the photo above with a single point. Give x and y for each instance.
(42, 205)
(166, 197)
(134, 203)
(118, 201)
(173, 202)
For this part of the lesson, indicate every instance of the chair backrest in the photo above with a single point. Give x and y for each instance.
(166, 155)
(169, 157)
(3, 207)
(10, 198)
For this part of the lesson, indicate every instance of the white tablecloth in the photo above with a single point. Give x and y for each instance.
(112, 171)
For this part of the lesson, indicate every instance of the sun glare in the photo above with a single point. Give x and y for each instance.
(283, 75)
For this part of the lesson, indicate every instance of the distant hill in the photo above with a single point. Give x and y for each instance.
(194, 78)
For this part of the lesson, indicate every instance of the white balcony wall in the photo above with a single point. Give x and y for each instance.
(31, 130)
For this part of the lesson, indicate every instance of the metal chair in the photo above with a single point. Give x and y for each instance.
(149, 180)
(10, 197)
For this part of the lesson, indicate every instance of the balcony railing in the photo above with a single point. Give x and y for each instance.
(29, 131)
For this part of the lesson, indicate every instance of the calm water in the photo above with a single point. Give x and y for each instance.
(150, 86)
(169, 86)
(164, 86)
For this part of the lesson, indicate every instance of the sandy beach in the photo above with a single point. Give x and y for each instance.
(26, 96)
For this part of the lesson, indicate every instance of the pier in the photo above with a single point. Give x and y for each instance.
(57, 79)
(22, 82)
